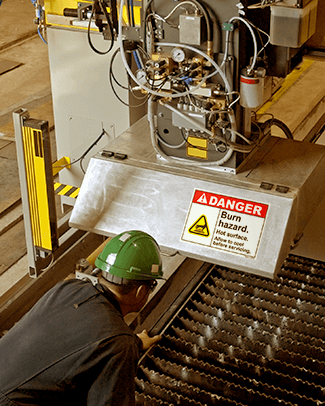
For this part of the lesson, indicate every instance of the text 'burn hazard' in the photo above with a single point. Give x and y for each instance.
(236, 225)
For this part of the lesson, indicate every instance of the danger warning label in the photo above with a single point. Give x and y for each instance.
(225, 223)
(200, 227)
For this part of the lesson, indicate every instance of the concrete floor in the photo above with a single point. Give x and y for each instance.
(28, 85)
(24, 82)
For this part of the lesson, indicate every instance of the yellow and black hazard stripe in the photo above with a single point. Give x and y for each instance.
(66, 190)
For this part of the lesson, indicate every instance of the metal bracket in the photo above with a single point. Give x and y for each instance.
(18, 120)
(83, 271)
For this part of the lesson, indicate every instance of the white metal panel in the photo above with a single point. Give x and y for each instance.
(83, 101)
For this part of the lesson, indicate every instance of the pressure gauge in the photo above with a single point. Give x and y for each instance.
(141, 76)
(178, 55)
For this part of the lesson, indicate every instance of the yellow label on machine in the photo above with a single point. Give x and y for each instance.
(37, 187)
(197, 147)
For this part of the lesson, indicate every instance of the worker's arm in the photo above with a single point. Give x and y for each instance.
(147, 341)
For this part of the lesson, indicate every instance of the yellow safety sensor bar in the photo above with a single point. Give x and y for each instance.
(39, 179)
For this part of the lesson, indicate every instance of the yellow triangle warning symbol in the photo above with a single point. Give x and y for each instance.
(200, 227)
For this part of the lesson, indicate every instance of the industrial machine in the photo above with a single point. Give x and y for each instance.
(200, 170)
(183, 152)
(157, 113)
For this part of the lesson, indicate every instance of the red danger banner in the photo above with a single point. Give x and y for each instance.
(230, 203)
(225, 223)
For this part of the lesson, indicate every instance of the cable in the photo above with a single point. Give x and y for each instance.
(115, 93)
(170, 145)
(143, 51)
(214, 64)
(128, 11)
(175, 160)
(235, 101)
(146, 8)
(86, 152)
(111, 70)
(231, 145)
(132, 13)
(250, 68)
(191, 145)
(249, 142)
(39, 18)
(260, 131)
(109, 25)
(137, 60)
(267, 42)
(112, 76)
(93, 144)
(52, 258)
(176, 7)
(40, 35)
(104, 10)
(148, 5)
(200, 6)
(280, 124)
(263, 4)
(127, 67)
(259, 30)
(235, 146)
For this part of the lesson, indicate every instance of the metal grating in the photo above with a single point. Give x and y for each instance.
(243, 340)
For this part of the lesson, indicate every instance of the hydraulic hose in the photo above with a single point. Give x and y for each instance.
(280, 124)
(254, 42)
(161, 94)
(235, 146)
(173, 160)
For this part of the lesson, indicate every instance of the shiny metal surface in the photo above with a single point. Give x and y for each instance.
(143, 192)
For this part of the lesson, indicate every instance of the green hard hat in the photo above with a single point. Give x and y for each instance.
(132, 255)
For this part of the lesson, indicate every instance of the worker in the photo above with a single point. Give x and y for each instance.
(73, 347)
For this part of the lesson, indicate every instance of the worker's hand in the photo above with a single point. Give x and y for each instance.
(147, 341)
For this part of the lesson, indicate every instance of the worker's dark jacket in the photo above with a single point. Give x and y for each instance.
(71, 348)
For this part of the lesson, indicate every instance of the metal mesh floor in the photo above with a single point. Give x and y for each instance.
(243, 340)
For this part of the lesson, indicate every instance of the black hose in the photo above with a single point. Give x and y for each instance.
(281, 125)
(95, 5)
